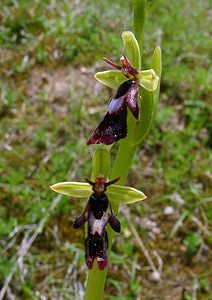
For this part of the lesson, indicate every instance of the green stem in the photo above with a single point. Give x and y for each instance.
(139, 18)
(95, 284)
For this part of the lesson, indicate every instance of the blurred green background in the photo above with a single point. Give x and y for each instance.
(50, 103)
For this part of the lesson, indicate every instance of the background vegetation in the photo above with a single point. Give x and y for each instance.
(50, 103)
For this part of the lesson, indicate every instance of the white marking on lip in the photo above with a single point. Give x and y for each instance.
(98, 225)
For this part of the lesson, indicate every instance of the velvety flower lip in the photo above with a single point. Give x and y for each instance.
(98, 212)
(113, 127)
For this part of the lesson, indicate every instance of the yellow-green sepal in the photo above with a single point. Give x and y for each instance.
(110, 78)
(73, 189)
(124, 194)
(132, 50)
(116, 193)
(157, 61)
(101, 162)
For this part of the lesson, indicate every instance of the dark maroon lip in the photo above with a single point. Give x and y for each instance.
(113, 127)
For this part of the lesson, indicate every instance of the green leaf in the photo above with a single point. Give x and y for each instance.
(101, 162)
(111, 78)
(132, 50)
(116, 193)
(148, 79)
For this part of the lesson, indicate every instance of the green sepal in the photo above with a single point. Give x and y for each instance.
(148, 80)
(116, 193)
(101, 162)
(157, 61)
(132, 50)
(110, 78)
(124, 194)
(73, 189)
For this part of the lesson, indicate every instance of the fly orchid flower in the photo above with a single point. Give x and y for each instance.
(98, 212)
(113, 127)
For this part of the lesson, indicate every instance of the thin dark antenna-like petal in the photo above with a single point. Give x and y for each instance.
(83, 217)
(112, 181)
(114, 223)
(127, 67)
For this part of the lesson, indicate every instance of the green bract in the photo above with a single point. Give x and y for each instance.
(149, 101)
(116, 193)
